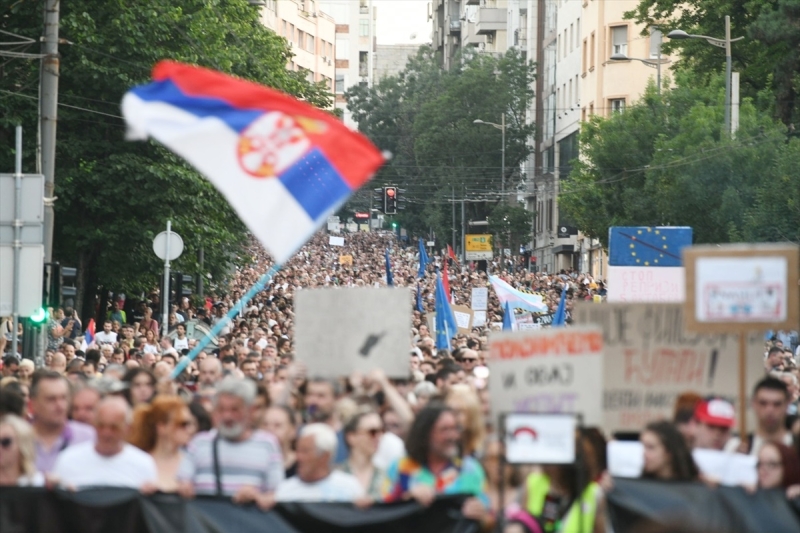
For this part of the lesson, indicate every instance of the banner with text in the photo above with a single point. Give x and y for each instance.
(650, 359)
(548, 371)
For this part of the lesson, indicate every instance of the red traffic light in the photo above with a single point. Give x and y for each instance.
(390, 191)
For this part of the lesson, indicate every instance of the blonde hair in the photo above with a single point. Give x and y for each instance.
(25, 442)
(146, 418)
(460, 397)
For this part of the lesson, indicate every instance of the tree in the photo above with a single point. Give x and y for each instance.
(425, 118)
(511, 225)
(114, 196)
(665, 162)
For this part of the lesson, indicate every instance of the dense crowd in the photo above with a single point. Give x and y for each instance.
(248, 422)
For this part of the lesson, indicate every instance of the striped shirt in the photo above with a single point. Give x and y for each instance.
(255, 462)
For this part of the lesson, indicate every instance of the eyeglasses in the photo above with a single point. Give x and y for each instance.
(469, 360)
(374, 432)
(771, 465)
(6, 442)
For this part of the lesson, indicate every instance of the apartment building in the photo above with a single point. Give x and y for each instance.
(355, 46)
(480, 24)
(311, 34)
(391, 59)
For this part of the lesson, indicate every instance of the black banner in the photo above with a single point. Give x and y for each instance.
(664, 507)
(28, 510)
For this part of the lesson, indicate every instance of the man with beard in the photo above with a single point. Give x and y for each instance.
(320, 399)
(234, 460)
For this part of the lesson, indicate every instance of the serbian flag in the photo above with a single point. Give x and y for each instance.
(88, 333)
(446, 282)
(283, 165)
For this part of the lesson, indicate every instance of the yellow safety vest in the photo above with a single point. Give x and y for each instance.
(581, 515)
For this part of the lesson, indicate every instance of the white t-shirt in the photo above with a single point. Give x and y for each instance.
(180, 344)
(391, 448)
(82, 467)
(337, 487)
(105, 338)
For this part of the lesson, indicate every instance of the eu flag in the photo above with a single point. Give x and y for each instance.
(647, 246)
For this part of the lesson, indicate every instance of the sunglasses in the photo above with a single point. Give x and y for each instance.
(6, 442)
(374, 432)
(469, 360)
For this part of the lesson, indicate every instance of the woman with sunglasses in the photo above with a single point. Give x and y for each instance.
(162, 429)
(17, 454)
(363, 435)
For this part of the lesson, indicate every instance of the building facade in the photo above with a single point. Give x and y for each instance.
(391, 59)
(311, 34)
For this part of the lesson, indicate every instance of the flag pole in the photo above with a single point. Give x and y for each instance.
(236, 309)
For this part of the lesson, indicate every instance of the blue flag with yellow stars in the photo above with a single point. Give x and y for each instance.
(647, 246)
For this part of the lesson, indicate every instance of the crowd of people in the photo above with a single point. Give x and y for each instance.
(246, 421)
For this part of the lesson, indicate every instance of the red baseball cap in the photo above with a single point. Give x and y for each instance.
(715, 412)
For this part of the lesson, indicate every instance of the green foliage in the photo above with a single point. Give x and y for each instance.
(511, 224)
(114, 196)
(664, 162)
(425, 118)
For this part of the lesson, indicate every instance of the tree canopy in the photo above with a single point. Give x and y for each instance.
(114, 196)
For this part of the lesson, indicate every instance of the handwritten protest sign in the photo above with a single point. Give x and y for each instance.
(548, 371)
(346, 260)
(480, 299)
(646, 284)
(650, 359)
(463, 316)
(339, 331)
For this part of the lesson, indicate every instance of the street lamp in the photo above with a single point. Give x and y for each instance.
(721, 43)
(502, 128)
(649, 62)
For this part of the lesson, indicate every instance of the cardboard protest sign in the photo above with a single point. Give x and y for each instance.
(650, 359)
(463, 316)
(339, 331)
(548, 371)
(646, 284)
(346, 260)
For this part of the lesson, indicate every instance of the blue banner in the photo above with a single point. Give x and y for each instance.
(647, 246)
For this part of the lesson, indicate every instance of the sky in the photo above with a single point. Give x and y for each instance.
(402, 22)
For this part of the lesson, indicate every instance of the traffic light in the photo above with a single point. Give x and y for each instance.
(39, 316)
(181, 286)
(377, 199)
(60, 284)
(390, 200)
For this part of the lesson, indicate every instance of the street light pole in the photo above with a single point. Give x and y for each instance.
(728, 67)
(503, 156)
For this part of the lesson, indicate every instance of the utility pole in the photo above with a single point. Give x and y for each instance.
(49, 118)
(728, 67)
(453, 202)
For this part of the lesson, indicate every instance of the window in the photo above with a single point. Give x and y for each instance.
(619, 40)
(566, 43)
(655, 43)
(301, 39)
(577, 91)
(311, 43)
(617, 105)
(363, 64)
(285, 29)
(569, 95)
(558, 54)
(583, 62)
(571, 37)
(339, 83)
(363, 28)
(591, 53)
(591, 110)
(291, 33)
(558, 97)
(362, 6)
(577, 32)
(583, 115)
(550, 214)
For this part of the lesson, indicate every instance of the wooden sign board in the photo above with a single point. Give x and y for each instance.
(742, 287)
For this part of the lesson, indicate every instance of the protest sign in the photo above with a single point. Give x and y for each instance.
(478, 319)
(539, 438)
(463, 316)
(346, 260)
(646, 284)
(650, 359)
(547, 371)
(480, 299)
(338, 331)
(336, 241)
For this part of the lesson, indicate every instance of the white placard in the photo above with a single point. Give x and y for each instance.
(478, 319)
(462, 319)
(523, 326)
(646, 284)
(731, 469)
(741, 289)
(540, 438)
(625, 458)
(480, 299)
(463, 316)
(336, 241)
(548, 371)
(339, 331)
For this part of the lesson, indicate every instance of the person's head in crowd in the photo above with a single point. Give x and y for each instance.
(112, 421)
(148, 360)
(161, 371)
(210, 372)
(260, 405)
(68, 349)
(117, 357)
(141, 386)
(132, 363)
(427, 368)
(170, 359)
(115, 371)
(778, 466)
(89, 369)
(229, 363)
(770, 400)
(434, 436)
(280, 421)
(25, 371)
(17, 452)
(58, 363)
(233, 408)
(467, 406)
(201, 416)
(249, 368)
(10, 365)
(107, 325)
(713, 419)
(683, 414)
(320, 399)
(11, 401)
(666, 455)
(423, 392)
(774, 360)
(316, 448)
(50, 396)
(75, 370)
(363, 433)
(84, 403)
(493, 451)
(446, 377)
(788, 378)
(167, 422)
(469, 359)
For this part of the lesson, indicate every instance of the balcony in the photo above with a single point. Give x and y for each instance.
(455, 27)
(470, 38)
(473, 2)
(490, 20)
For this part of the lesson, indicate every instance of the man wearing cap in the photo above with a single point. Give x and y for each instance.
(713, 420)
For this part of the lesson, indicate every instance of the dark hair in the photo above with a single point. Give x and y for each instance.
(229, 359)
(770, 383)
(445, 372)
(419, 436)
(682, 464)
(775, 349)
(43, 374)
(171, 356)
(12, 401)
(93, 356)
(201, 415)
(790, 462)
(352, 424)
(131, 375)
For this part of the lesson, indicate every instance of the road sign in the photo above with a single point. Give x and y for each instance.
(32, 208)
(478, 247)
(30, 280)
(175, 246)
